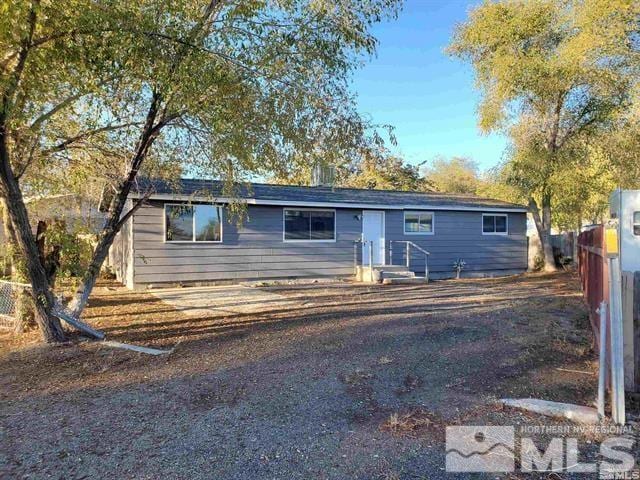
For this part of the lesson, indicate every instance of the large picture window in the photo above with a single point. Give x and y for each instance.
(494, 224)
(418, 223)
(309, 225)
(193, 223)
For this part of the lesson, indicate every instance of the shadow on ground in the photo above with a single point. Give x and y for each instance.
(303, 390)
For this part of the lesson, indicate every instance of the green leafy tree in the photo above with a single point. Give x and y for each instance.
(231, 88)
(551, 74)
(380, 170)
(493, 183)
(454, 175)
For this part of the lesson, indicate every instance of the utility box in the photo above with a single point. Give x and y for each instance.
(625, 207)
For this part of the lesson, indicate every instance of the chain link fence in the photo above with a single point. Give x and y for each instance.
(11, 294)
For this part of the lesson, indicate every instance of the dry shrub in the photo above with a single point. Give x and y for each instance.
(410, 423)
(355, 378)
(385, 360)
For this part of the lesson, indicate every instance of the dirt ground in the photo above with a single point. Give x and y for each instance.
(357, 383)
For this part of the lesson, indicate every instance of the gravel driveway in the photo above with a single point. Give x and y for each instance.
(347, 382)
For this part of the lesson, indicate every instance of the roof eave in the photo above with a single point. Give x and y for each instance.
(298, 203)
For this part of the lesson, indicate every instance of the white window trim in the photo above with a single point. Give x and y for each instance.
(193, 224)
(335, 229)
(419, 212)
(495, 215)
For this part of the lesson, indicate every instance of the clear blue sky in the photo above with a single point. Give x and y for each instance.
(427, 96)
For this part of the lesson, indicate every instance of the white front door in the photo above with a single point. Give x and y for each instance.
(373, 230)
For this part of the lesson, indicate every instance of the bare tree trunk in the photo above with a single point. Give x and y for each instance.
(547, 247)
(50, 326)
(49, 257)
(156, 119)
(108, 234)
(115, 220)
(19, 219)
(543, 226)
(24, 309)
(42, 296)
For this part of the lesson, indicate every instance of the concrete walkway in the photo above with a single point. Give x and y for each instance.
(222, 300)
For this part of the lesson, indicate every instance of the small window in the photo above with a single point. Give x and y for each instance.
(494, 224)
(309, 225)
(418, 223)
(193, 223)
(636, 223)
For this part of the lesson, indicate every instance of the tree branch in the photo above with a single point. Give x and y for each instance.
(90, 133)
(255, 72)
(26, 43)
(48, 114)
(552, 144)
(32, 151)
(38, 42)
(141, 201)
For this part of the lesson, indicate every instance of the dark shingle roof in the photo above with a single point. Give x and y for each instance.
(292, 194)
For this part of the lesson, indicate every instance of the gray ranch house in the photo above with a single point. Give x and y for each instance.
(186, 235)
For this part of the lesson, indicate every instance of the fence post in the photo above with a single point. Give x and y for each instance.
(355, 258)
(636, 330)
(371, 261)
(426, 268)
(602, 359)
(617, 360)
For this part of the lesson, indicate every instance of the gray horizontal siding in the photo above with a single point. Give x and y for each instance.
(246, 259)
(256, 248)
(459, 235)
(215, 276)
(253, 250)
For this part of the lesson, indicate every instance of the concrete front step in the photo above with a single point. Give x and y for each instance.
(405, 280)
(383, 272)
(391, 268)
(406, 274)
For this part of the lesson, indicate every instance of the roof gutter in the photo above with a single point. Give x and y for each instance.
(290, 203)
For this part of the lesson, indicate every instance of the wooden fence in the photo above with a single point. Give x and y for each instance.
(594, 277)
(594, 273)
(563, 245)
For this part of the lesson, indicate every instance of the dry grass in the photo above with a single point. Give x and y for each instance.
(357, 377)
(411, 423)
(299, 386)
(384, 360)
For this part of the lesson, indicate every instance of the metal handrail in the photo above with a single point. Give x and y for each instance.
(419, 248)
(409, 245)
